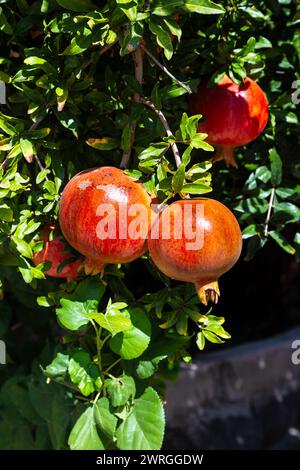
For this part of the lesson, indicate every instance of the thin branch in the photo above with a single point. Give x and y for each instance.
(40, 165)
(165, 123)
(164, 68)
(112, 365)
(3, 164)
(138, 72)
(271, 201)
(107, 47)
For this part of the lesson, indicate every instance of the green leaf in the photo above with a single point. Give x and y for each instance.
(154, 151)
(249, 231)
(72, 315)
(129, 7)
(276, 167)
(91, 290)
(161, 31)
(4, 77)
(59, 365)
(204, 7)
(77, 5)
(106, 421)
(6, 213)
(132, 343)
(143, 429)
(27, 149)
(105, 143)
(114, 321)
(212, 337)
(282, 242)
(196, 188)
(120, 389)
(84, 435)
(84, 373)
(4, 24)
(23, 248)
(178, 178)
(216, 328)
(200, 341)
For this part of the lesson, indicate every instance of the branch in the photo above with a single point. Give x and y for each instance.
(271, 201)
(138, 72)
(107, 47)
(165, 123)
(160, 65)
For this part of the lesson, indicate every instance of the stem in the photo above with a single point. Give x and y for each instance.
(105, 339)
(41, 167)
(112, 365)
(138, 72)
(271, 201)
(96, 398)
(164, 68)
(98, 344)
(107, 47)
(62, 382)
(165, 123)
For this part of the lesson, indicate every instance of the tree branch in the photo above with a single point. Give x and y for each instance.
(160, 65)
(271, 201)
(165, 123)
(138, 72)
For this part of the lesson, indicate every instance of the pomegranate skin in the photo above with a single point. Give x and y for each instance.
(79, 216)
(55, 252)
(234, 114)
(220, 248)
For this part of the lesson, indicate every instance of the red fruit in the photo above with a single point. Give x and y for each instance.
(203, 255)
(101, 200)
(55, 251)
(234, 114)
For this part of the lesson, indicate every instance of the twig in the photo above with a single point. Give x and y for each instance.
(40, 165)
(271, 201)
(112, 365)
(3, 164)
(165, 123)
(138, 72)
(33, 128)
(164, 68)
(107, 47)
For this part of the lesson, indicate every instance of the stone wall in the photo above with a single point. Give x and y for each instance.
(244, 397)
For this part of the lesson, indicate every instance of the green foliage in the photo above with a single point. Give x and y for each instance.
(72, 100)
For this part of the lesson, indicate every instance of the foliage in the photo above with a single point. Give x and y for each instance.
(71, 101)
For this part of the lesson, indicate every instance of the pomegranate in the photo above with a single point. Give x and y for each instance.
(105, 215)
(55, 251)
(197, 241)
(234, 115)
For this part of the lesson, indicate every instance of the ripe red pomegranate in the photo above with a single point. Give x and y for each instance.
(203, 241)
(55, 251)
(105, 215)
(234, 115)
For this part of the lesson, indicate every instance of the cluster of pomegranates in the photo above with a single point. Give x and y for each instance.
(97, 204)
(107, 216)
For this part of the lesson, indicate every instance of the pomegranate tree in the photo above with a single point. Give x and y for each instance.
(234, 114)
(203, 241)
(104, 214)
(56, 252)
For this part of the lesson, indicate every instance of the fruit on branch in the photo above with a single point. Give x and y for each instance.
(105, 215)
(196, 241)
(56, 252)
(234, 115)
